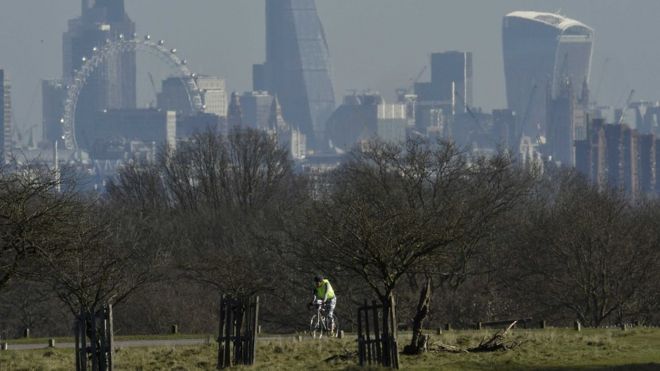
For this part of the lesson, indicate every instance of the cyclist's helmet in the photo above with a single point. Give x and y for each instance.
(318, 278)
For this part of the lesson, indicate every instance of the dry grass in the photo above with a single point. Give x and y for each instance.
(550, 349)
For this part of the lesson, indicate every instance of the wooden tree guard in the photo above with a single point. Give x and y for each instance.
(239, 322)
(377, 344)
(94, 339)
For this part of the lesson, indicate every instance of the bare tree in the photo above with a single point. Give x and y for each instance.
(35, 205)
(110, 253)
(422, 207)
(589, 252)
(225, 196)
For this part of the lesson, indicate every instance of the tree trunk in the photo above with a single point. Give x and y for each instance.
(419, 341)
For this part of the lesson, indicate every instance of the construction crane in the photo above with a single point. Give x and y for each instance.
(625, 108)
(412, 82)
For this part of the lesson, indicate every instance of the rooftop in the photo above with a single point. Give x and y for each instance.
(550, 19)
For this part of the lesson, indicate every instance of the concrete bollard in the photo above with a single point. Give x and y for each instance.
(51, 343)
(577, 325)
(4, 346)
(341, 334)
(26, 333)
(174, 329)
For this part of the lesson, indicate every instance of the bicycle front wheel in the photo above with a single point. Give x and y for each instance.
(315, 327)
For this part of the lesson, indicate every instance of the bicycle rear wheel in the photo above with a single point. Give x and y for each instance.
(334, 332)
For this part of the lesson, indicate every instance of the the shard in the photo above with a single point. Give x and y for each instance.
(297, 68)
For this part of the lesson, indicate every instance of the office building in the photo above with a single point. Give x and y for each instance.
(256, 109)
(114, 131)
(214, 94)
(561, 125)
(297, 67)
(647, 164)
(175, 97)
(364, 117)
(540, 50)
(451, 79)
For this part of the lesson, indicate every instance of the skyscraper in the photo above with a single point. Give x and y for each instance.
(540, 50)
(112, 85)
(5, 116)
(174, 96)
(297, 67)
(451, 78)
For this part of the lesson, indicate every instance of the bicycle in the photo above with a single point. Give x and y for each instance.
(319, 325)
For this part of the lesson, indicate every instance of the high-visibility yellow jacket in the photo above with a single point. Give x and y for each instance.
(324, 289)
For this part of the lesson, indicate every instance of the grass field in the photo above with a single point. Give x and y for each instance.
(550, 349)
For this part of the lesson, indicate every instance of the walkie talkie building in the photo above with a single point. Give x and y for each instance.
(297, 68)
(540, 51)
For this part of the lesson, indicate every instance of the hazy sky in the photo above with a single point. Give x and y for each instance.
(377, 44)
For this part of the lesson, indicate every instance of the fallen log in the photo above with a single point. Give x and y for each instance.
(496, 342)
(493, 344)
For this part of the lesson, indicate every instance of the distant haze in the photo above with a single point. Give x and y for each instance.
(376, 44)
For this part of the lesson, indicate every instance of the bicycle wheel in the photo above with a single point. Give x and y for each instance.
(315, 327)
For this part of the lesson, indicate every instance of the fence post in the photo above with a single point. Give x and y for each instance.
(255, 330)
(360, 339)
(377, 338)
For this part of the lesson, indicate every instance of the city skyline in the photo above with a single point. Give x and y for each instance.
(223, 52)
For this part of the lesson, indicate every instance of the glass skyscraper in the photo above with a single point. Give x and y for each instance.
(540, 51)
(297, 68)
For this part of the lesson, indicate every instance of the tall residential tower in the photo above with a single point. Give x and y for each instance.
(540, 51)
(297, 67)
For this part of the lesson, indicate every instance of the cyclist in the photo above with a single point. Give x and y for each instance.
(323, 291)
